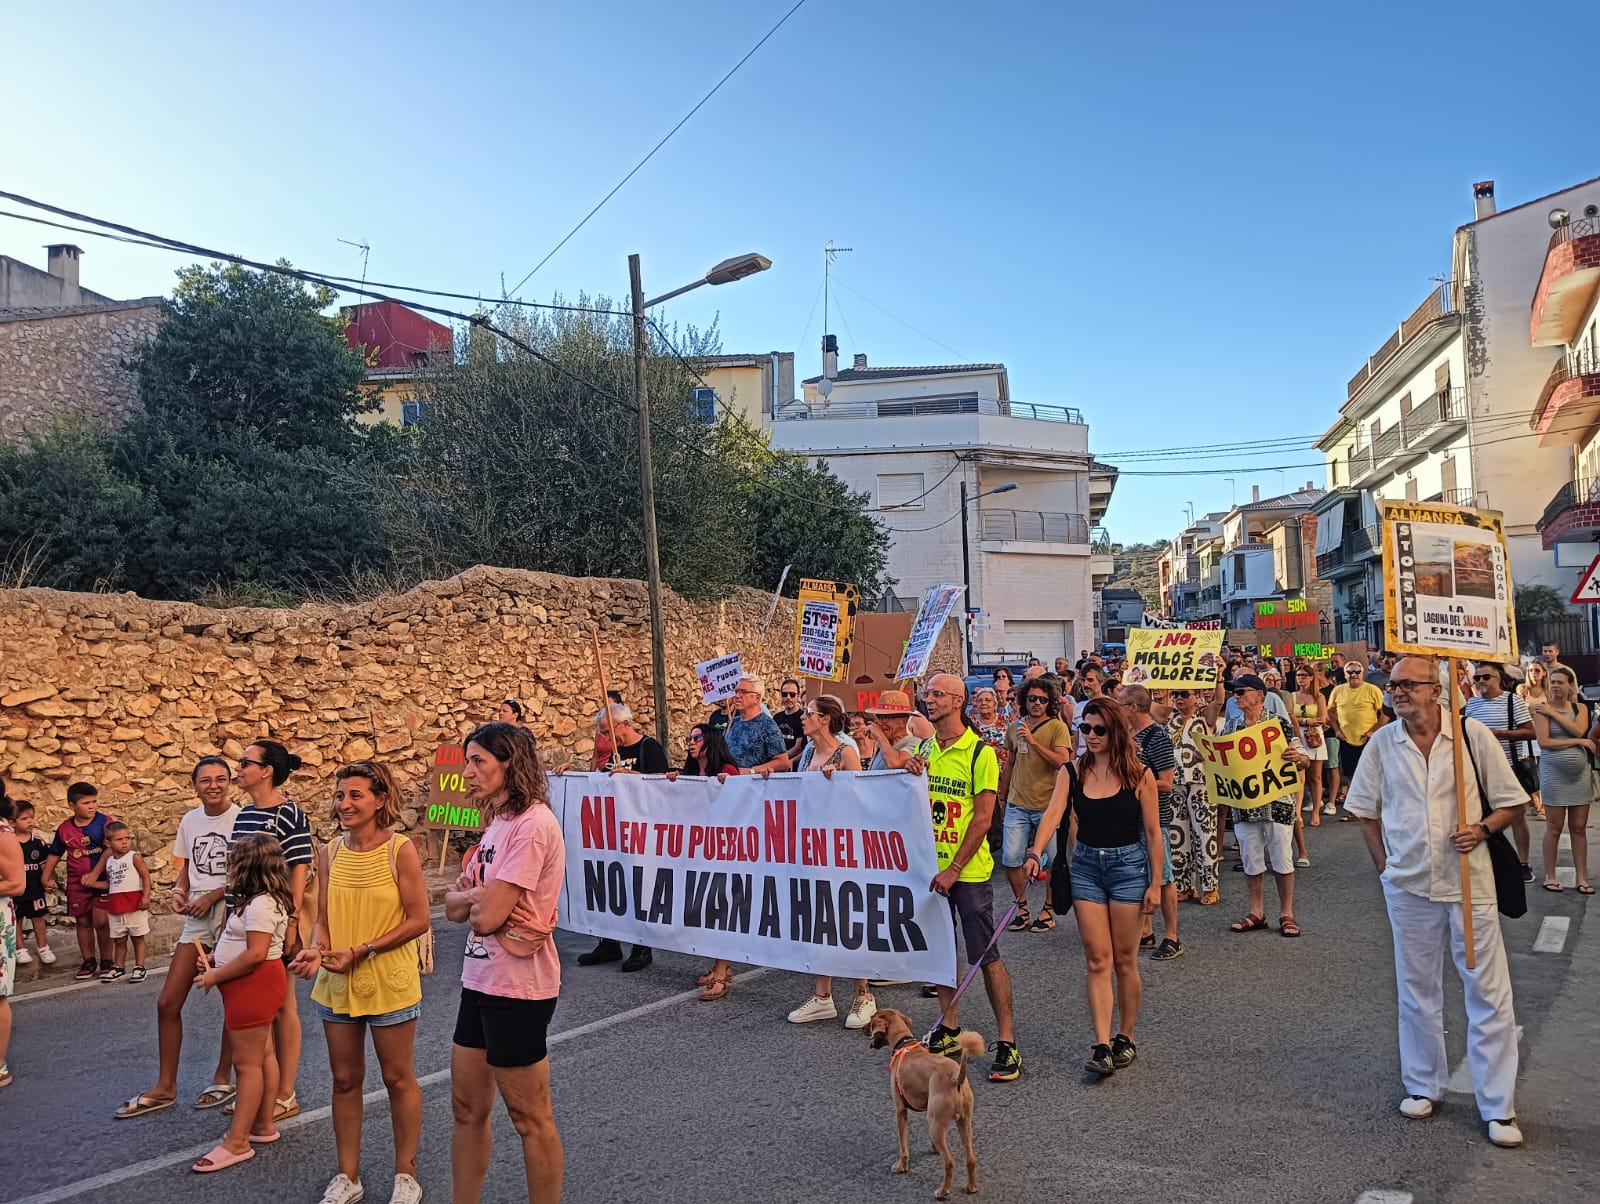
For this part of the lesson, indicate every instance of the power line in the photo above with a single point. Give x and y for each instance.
(902, 321)
(717, 87)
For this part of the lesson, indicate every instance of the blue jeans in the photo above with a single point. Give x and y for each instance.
(1021, 825)
(1120, 875)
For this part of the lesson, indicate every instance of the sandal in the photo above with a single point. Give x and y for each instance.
(717, 988)
(139, 1105)
(1022, 918)
(137, 974)
(1209, 898)
(1288, 927)
(221, 1158)
(284, 1110)
(214, 1095)
(1554, 888)
(1147, 942)
(706, 979)
(1250, 923)
(1045, 922)
(1585, 889)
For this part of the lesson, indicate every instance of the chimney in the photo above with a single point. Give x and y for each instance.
(1483, 198)
(63, 263)
(830, 356)
(1255, 493)
(1309, 486)
(861, 362)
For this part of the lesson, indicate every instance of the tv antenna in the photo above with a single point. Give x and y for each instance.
(829, 254)
(366, 250)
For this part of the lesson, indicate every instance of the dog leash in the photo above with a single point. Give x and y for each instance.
(972, 970)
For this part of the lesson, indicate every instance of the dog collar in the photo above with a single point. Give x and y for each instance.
(904, 1042)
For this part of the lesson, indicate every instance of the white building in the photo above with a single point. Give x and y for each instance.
(1181, 576)
(913, 438)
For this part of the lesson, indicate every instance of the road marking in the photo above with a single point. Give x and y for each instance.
(1567, 875)
(87, 985)
(372, 1099)
(1381, 1196)
(1552, 934)
(1461, 1080)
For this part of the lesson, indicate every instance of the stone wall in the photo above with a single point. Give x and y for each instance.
(128, 693)
(78, 359)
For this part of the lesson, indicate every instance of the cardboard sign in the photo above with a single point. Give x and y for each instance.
(719, 677)
(1447, 582)
(824, 628)
(937, 603)
(1173, 660)
(448, 808)
(1247, 768)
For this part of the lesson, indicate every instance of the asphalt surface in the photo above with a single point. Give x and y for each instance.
(1268, 1071)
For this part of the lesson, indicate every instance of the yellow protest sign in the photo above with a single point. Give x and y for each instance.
(1247, 768)
(1447, 582)
(824, 628)
(1172, 660)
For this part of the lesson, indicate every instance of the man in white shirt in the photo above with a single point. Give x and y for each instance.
(1404, 793)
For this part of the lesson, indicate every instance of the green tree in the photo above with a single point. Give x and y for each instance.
(1539, 602)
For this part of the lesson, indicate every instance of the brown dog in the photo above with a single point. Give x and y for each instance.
(921, 1081)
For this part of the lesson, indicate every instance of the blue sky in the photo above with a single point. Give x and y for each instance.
(1191, 222)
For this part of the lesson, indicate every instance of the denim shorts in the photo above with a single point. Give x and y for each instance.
(1021, 826)
(1120, 875)
(383, 1020)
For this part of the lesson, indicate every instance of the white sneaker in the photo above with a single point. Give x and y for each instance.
(344, 1190)
(1416, 1107)
(406, 1190)
(47, 955)
(861, 1011)
(1505, 1133)
(814, 1009)
(24, 958)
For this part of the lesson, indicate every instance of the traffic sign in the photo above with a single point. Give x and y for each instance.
(1589, 584)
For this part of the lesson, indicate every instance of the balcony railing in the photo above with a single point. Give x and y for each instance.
(1033, 526)
(914, 407)
(1441, 303)
(1100, 539)
(1458, 497)
(1578, 228)
(1411, 432)
(1573, 364)
(1573, 493)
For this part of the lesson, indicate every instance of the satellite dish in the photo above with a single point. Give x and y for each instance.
(824, 387)
(1558, 218)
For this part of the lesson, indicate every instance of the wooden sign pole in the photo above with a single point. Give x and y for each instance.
(605, 698)
(1456, 736)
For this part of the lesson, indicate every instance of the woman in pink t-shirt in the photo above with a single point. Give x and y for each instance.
(507, 893)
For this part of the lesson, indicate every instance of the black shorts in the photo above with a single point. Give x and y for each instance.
(1349, 757)
(511, 1032)
(31, 906)
(972, 908)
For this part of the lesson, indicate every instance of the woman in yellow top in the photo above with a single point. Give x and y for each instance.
(363, 954)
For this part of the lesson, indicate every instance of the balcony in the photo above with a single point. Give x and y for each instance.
(1458, 497)
(1102, 564)
(1437, 419)
(1439, 309)
(1048, 532)
(1343, 560)
(1573, 515)
(1567, 284)
(916, 407)
(1569, 403)
(1365, 543)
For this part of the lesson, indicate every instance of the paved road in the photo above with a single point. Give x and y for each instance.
(1267, 1072)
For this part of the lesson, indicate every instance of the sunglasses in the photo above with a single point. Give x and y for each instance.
(1093, 729)
(1483, 677)
(1039, 698)
(243, 761)
(788, 694)
(1179, 695)
(696, 739)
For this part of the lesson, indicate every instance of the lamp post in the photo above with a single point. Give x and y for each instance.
(966, 567)
(725, 272)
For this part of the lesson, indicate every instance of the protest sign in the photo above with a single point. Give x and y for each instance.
(795, 871)
(718, 677)
(937, 603)
(1447, 588)
(825, 622)
(1173, 659)
(1283, 627)
(1247, 768)
(447, 807)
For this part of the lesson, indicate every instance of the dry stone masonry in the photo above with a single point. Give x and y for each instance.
(73, 360)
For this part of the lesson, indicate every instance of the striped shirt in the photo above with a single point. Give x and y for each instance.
(287, 824)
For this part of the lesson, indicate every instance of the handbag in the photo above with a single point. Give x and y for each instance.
(1061, 864)
(1511, 893)
(1525, 768)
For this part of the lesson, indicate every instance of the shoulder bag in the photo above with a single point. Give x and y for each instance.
(1525, 768)
(1511, 893)
(1061, 864)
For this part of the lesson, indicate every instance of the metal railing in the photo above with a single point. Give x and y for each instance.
(1033, 526)
(1573, 493)
(1580, 227)
(916, 407)
(1418, 425)
(1458, 497)
(1441, 303)
(1573, 364)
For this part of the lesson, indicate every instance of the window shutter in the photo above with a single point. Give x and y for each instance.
(900, 491)
(1441, 376)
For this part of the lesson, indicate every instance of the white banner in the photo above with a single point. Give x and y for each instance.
(719, 677)
(797, 872)
(937, 603)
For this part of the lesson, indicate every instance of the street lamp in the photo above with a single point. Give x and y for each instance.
(966, 566)
(725, 272)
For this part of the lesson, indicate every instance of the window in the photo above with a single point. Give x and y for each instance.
(900, 491)
(1441, 377)
(412, 412)
(705, 405)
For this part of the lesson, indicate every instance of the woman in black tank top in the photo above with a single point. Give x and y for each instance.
(1115, 845)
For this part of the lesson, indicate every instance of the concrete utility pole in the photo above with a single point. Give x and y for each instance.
(647, 501)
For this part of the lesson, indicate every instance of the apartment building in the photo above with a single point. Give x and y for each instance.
(1262, 553)
(1179, 574)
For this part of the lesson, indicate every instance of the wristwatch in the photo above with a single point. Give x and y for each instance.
(1485, 829)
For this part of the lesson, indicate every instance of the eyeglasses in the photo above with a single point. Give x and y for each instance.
(243, 761)
(937, 694)
(747, 692)
(1093, 729)
(696, 739)
(1405, 687)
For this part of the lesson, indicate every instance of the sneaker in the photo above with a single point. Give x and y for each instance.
(641, 957)
(1123, 1052)
(1100, 1061)
(1527, 872)
(406, 1191)
(1329, 809)
(344, 1190)
(929, 991)
(862, 1010)
(1168, 950)
(1007, 1063)
(47, 955)
(1416, 1107)
(87, 971)
(137, 975)
(944, 1043)
(814, 1008)
(24, 958)
(1505, 1133)
(605, 951)
(113, 975)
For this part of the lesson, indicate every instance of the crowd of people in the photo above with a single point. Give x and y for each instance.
(1071, 776)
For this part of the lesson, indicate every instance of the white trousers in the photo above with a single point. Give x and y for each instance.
(1421, 928)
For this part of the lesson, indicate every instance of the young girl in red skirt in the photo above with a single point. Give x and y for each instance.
(249, 971)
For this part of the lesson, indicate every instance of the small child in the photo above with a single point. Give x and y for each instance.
(81, 840)
(32, 907)
(249, 970)
(126, 879)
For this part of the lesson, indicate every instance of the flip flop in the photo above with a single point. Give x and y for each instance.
(1555, 888)
(215, 1095)
(1585, 889)
(139, 1105)
(220, 1159)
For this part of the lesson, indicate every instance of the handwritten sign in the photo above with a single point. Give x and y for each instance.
(448, 808)
(718, 677)
(937, 603)
(1447, 578)
(1172, 660)
(824, 628)
(1247, 768)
